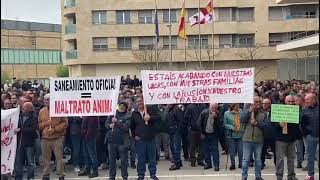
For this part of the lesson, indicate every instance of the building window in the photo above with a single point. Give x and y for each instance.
(276, 13)
(123, 17)
(300, 34)
(173, 14)
(236, 14)
(145, 17)
(192, 12)
(193, 42)
(166, 42)
(225, 14)
(303, 11)
(100, 43)
(276, 38)
(124, 43)
(225, 40)
(146, 42)
(99, 17)
(244, 40)
(246, 14)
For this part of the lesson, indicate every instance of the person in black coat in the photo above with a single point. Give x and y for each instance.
(268, 134)
(210, 121)
(26, 136)
(118, 140)
(310, 130)
(191, 117)
(102, 144)
(143, 128)
(89, 131)
(136, 81)
(175, 118)
(285, 144)
(76, 141)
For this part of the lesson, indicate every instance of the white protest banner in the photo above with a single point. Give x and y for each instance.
(9, 122)
(84, 96)
(220, 86)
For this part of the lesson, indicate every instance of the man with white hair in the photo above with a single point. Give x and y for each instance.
(210, 122)
(53, 130)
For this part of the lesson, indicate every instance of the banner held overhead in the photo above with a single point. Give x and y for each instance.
(220, 86)
(84, 96)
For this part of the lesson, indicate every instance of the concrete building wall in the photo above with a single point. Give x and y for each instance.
(116, 62)
(24, 39)
(30, 71)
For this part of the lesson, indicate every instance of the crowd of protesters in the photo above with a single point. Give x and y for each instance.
(138, 134)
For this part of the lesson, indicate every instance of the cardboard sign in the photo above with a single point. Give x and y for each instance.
(9, 122)
(285, 113)
(84, 96)
(219, 86)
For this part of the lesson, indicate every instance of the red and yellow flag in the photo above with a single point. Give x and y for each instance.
(182, 29)
(207, 9)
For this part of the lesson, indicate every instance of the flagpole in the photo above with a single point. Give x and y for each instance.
(157, 58)
(185, 39)
(213, 18)
(170, 36)
(156, 53)
(200, 60)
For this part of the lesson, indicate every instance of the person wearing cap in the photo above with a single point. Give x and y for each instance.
(118, 140)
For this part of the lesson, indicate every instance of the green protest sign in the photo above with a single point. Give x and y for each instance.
(285, 113)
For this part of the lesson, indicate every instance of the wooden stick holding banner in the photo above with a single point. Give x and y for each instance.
(145, 113)
(285, 128)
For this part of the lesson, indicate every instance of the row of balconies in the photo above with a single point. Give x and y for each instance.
(192, 54)
(139, 30)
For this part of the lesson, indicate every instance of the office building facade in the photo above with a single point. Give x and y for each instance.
(118, 37)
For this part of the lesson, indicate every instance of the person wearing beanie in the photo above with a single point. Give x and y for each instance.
(118, 140)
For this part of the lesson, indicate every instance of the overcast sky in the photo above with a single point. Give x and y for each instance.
(45, 11)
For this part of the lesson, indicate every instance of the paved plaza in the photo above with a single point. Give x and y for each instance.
(187, 172)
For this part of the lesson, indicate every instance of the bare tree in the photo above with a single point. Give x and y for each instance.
(147, 57)
(206, 56)
(209, 57)
(251, 55)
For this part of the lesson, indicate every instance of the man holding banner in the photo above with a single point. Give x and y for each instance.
(253, 138)
(143, 128)
(118, 140)
(286, 133)
(53, 131)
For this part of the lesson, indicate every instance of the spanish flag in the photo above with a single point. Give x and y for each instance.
(182, 29)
